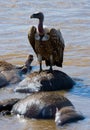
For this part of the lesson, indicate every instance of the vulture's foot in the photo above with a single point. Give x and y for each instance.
(40, 71)
(50, 69)
(40, 68)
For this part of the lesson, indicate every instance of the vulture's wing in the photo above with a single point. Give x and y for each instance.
(31, 37)
(58, 46)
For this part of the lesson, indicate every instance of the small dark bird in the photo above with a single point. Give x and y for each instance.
(47, 44)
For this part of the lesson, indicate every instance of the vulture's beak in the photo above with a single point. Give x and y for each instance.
(32, 16)
(36, 15)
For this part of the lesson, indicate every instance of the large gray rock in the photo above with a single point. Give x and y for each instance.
(44, 105)
(45, 81)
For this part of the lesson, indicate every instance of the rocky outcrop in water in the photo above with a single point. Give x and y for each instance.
(45, 81)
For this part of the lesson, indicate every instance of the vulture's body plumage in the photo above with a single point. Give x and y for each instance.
(47, 44)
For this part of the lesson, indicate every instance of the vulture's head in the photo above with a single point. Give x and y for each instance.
(38, 15)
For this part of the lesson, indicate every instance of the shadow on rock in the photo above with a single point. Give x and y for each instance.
(45, 81)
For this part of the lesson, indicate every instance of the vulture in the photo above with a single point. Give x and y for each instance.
(48, 44)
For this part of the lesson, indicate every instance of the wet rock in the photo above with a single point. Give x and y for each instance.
(45, 81)
(44, 105)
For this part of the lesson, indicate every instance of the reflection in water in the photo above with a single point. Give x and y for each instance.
(73, 18)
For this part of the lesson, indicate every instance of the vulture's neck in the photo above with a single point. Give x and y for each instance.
(40, 28)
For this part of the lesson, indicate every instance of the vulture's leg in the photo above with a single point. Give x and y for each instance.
(40, 62)
(51, 62)
(40, 67)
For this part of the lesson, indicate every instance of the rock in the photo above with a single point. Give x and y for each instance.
(45, 81)
(44, 105)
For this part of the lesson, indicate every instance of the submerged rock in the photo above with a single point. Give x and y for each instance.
(13, 74)
(45, 81)
(44, 105)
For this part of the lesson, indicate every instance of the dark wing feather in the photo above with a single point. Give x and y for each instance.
(31, 37)
(58, 45)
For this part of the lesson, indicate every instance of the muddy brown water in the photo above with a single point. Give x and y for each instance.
(73, 18)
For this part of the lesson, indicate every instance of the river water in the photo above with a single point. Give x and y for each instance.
(73, 18)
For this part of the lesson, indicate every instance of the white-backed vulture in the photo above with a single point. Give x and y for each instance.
(47, 44)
